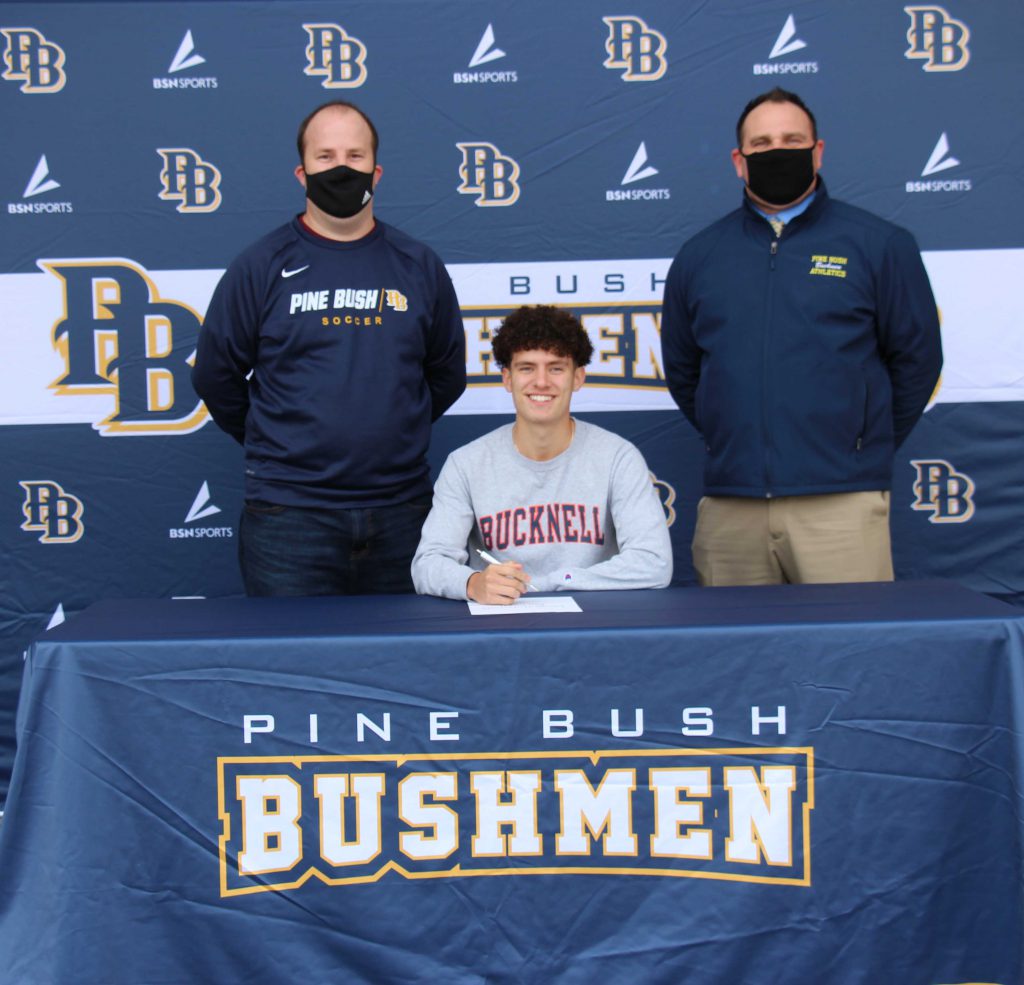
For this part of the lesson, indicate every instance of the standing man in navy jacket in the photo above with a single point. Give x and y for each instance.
(801, 339)
(352, 334)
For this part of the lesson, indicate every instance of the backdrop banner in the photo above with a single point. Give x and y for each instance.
(549, 153)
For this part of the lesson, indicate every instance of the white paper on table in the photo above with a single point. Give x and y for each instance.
(525, 606)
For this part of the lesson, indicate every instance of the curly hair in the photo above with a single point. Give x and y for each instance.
(542, 326)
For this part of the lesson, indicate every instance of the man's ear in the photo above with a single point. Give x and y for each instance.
(818, 154)
(739, 162)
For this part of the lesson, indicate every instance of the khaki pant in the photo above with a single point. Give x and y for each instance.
(793, 539)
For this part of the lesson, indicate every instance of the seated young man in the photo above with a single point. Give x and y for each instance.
(559, 504)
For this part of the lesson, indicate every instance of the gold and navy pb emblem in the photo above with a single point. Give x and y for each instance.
(51, 512)
(635, 48)
(338, 58)
(189, 180)
(32, 60)
(943, 492)
(488, 174)
(938, 38)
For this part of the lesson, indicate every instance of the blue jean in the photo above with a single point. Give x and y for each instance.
(291, 550)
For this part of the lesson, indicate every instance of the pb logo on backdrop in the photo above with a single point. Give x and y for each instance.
(335, 55)
(942, 491)
(190, 181)
(51, 512)
(488, 174)
(118, 336)
(32, 60)
(938, 38)
(635, 48)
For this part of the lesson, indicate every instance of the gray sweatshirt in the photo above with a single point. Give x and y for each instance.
(587, 519)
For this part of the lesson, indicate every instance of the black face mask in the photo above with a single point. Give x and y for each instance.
(340, 191)
(780, 176)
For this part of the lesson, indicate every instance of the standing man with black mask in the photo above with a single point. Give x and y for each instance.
(329, 347)
(801, 339)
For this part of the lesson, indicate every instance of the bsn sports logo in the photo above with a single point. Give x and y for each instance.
(202, 507)
(40, 181)
(638, 170)
(937, 38)
(635, 48)
(942, 491)
(940, 160)
(185, 57)
(486, 51)
(488, 174)
(188, 180)
(336, 56)
(39, 184)
(32, 60)
(786, 44)
(51, 512)
(117, 336)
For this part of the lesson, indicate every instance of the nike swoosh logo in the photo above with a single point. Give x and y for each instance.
(292, 273)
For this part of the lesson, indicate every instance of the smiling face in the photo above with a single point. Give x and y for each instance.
(542, 384)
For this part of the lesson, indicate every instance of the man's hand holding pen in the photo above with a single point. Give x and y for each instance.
(500, 583)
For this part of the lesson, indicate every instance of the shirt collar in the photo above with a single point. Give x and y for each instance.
(788, 215)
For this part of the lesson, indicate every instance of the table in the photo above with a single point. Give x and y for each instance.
(792, 784)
